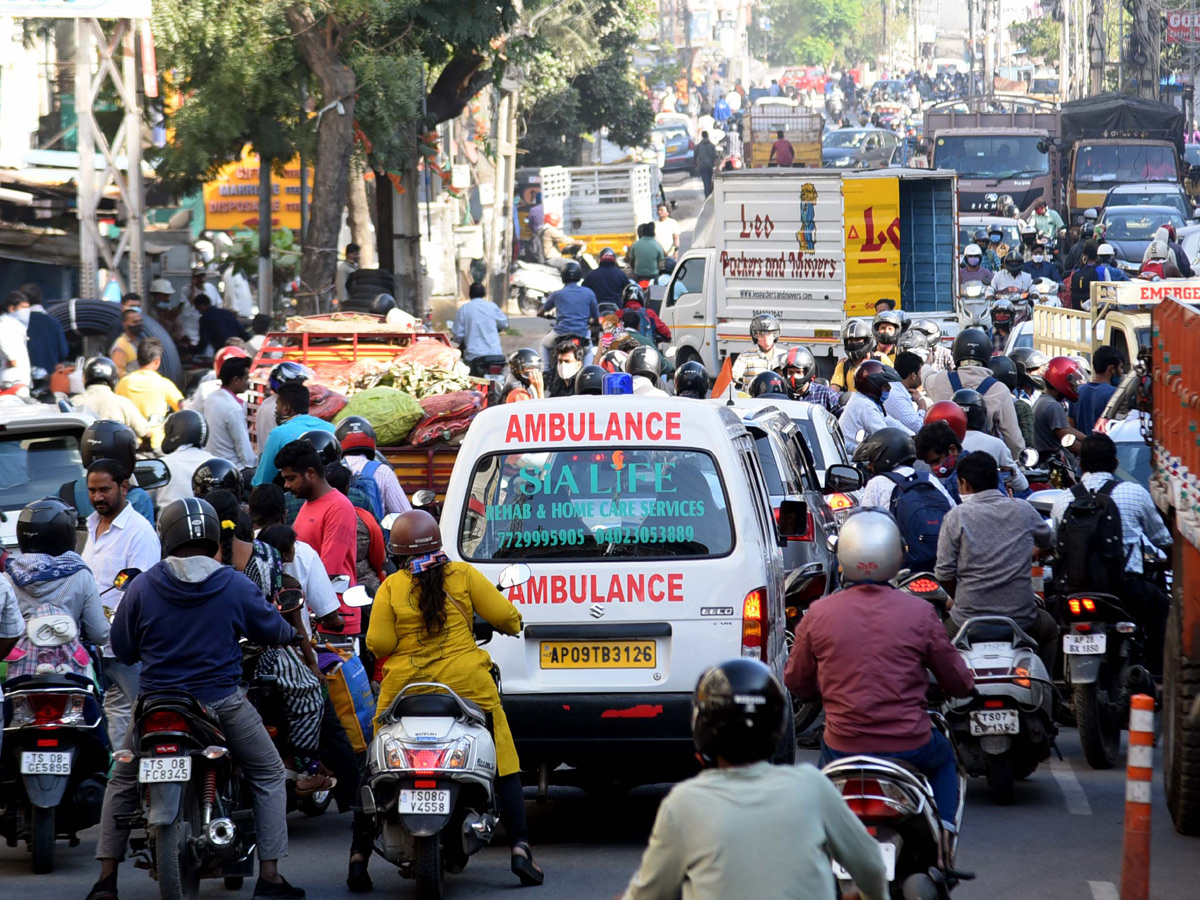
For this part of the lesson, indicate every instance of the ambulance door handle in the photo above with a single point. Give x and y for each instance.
(698, 315)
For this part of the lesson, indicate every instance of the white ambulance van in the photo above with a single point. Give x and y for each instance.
(647, 525)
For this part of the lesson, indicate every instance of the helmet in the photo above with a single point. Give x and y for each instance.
(572, 272)
(972, 347)
(590, 381)
(889, 317)
(1029, 362)
(858, 339)
(47, 526)
(979, 236)
(1003, 312)
(1004, 370)
(914, 342)
(872, 378)
(608, 254)
(869, 546)
(633, 291)
(1014, 261)
(973, 251)
(971, 403)
(1159, 250)
(768, 383)
(667, 266)
(186, 520)
(1091, 214)
(523, 362)
(885, 449)
(1087, 230)
(100, 370)
(1084, 366)
(227, 353)
(1170, 231)
(951, 413)
(357, 434)
(326, 444)
(995, 229)
(552, 219)
(798, 358)
(184, 427)
(691, 379)
(1064, 375)
(1105, 251)
(614, 361)
(764, 323)
(931, 329)
(217, 474)
(106, 439)
(288, 371)
(382, 304)
(739, 712)
(645, 361)
(415, 532)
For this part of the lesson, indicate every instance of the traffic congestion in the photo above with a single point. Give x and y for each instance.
(813, 517)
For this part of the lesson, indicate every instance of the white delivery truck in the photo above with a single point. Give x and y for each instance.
(813, 247)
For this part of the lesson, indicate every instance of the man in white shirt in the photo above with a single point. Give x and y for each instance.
(184, 435)
(225, 413)
(864, 412)
(118, 538)
(13, 321)
(666, 231)
(900, 404)
(348, 267)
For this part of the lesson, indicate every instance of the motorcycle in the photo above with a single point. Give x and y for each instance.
(1045, 293)
(430, 773)
(1007, 728)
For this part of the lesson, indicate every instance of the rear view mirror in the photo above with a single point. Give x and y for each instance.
(151, 473)
(289, 599)
(513, 575)
(861, 436)
(356, 597)
(831, 543)
(1030, 457)
(671, 352)
(793, 519)
(840, 478)
(341, 583)
(388, 521)
(1068, 441)
(423, 498)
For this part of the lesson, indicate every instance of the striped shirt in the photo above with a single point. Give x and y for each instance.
(1139, 516)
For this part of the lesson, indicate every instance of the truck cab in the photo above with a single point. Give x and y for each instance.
(1097, 166)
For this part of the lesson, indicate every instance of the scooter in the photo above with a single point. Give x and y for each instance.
(974, 306)
(533, 282)
(430, 776)
(1007, 728)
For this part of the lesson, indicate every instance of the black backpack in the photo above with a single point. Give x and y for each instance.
(1090, 545)
(918, 508)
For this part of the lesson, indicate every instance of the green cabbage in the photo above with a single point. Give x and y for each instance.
(392, 413)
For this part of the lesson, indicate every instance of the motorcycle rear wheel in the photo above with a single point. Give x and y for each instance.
(527, 303)
(178, 879)
(1099, 730)
(41, 840)
(315, 804)
(427, 867)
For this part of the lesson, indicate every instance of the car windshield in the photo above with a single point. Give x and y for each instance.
(1010, 234)
(1125, 162)
(1137, 225)
(1173, 199)
(991, 156)
(596, 503)
(32, 467)
(844, 139)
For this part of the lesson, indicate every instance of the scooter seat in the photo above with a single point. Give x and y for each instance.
(434, 705)
(993, 629)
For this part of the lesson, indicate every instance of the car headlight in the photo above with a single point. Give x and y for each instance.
(843, 161)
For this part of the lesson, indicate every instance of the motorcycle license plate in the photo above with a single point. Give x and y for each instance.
(598, 654)
(994, 721)
(431, 803)
(889, 863)
(1084, 644)
(46, 763)
(161, 769)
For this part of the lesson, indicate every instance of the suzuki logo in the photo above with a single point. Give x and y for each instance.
(597, 612)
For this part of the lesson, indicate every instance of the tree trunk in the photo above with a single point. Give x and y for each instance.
(358, 213)
(319, 45)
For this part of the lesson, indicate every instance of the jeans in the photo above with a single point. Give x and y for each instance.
(338, 756)
(936, 760)
(263, 770)
(706, 175)
(119, 698)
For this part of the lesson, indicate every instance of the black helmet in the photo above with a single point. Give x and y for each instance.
(971, 402)
(883, 450)
(1013, 261)
(217, 474)
(382, 304)
(972, 347)
(914, 342)
(739, 712)
(100, 370)
(106, 439)
(186, 520)
(184, 427)
(1087, 230)
(288, 371)
(667, 266)
(633, 291)
(590, 381)
(764, 323)
(691, 380)
(47, 526)
(1004, 370)
(645, 361)
(798, 358)
(326, 444)
(572, 272)
(980, 236)
(524, 361)
(858, 339)
(356, 435)
(1003, 312)
(768, 383)
(1028, 360)
(887, 317)
(872, 378)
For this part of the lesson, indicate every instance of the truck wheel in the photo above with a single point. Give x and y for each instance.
(427, 867)
(42, 840)
(1181, 737)
(1099, 729)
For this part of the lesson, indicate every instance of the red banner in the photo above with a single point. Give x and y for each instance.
(1183, 28)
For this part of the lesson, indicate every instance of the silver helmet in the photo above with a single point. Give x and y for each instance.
(869, 547)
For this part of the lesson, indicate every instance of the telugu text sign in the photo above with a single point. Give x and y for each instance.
(76, 9)
(872, 222)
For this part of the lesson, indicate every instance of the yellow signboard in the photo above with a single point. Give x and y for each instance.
(231, 199)
(872, 223)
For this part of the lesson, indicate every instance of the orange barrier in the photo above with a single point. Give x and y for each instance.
(1135, 855)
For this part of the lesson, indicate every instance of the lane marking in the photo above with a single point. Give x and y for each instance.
(1077, 801)
(1104, 890)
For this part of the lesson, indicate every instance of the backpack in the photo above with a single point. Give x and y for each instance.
(58, 651)
(365, 482)
(645, 326)
(982, 389)
(1090, 545)
(918, 508)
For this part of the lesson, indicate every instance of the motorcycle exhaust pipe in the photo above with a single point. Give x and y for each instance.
(1140, 681)
(477, 831)
(221, 832)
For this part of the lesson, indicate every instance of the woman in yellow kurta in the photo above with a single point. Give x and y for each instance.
(421, 621)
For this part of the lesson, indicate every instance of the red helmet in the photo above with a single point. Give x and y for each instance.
(951, 413)
(1064, 375)
(228, 353)
(872, 378)
(1170, 231)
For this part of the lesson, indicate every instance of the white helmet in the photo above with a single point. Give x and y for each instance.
(1159, 250)
(1105, 251)
(972, 250)
(869, 547)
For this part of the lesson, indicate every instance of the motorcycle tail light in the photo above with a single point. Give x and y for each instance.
(871, 800)
(46, 710)
(1022, 679)
(426, 760)
(754, 624)
(164, 720)
(1073, 605)
(993, 704)
(1081, 628)
(47, 742)
(923, 586)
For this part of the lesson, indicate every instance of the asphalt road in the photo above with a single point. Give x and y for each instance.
(1060, 841)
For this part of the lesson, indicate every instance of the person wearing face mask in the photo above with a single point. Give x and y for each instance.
(997, 246)
(938, 449)
(864, 413)
(123, 351)
(567, 363)
(1013, 277)
(291, 421)
(1108, 366)
(972, 268)
(13, 334)
(1041, 267)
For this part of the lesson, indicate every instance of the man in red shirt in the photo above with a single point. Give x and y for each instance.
(879, 708)
(327, 521)
(782, 153)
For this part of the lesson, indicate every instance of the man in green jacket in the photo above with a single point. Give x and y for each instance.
(646, 255)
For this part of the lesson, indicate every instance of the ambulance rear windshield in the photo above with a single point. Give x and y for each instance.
(596, 504)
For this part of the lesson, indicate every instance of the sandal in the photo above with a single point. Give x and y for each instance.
(310, 784)
(524, 867)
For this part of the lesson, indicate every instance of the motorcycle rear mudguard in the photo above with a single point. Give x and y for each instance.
(165, 800)
(1083, 669)
(423, 825)
(45, 791)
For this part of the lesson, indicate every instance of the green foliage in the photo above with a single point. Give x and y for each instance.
(1039, 36)
(810, 32)
(285, 253)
